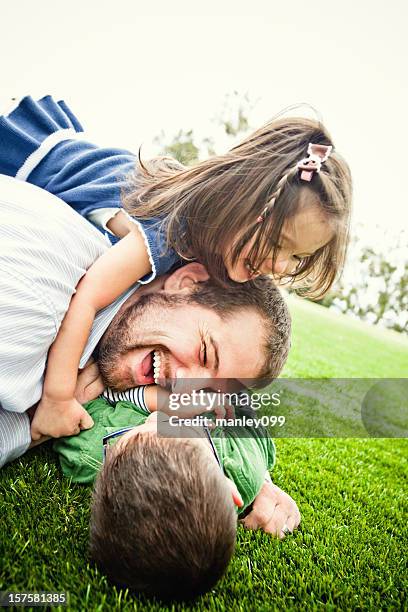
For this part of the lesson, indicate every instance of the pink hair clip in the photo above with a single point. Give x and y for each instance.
(317, 154)
(262, 215)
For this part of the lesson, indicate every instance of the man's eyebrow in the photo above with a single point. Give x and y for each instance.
(215, 349)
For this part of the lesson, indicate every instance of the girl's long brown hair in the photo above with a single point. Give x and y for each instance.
(210, 210)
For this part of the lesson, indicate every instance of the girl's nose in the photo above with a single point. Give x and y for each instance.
(281, 266)
(284, 266)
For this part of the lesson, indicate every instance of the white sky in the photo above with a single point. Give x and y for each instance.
(129, 71)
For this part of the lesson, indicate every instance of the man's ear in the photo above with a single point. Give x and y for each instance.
(236, 496)
(183, 279)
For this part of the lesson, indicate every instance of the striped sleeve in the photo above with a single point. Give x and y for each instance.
(28, 326)
(15, 436)
(135, 396)
(45, 249)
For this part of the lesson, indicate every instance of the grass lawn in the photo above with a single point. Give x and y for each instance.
(349, 554)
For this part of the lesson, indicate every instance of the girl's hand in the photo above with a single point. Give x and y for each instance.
(59, 418)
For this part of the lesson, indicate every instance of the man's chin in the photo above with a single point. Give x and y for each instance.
(117, 385)
(130, 371)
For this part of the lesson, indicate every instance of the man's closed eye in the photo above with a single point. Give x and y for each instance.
(203, 354)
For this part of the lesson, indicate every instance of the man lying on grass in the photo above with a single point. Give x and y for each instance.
(45, 249)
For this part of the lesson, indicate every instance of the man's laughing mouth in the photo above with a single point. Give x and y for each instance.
(156, 366)
(148, 371)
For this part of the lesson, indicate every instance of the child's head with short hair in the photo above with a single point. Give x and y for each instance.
(163, 519)
(252, 210)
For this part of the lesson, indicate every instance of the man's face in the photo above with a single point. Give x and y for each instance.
(189, 341)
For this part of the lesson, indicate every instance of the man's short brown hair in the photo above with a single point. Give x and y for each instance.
(163, 521)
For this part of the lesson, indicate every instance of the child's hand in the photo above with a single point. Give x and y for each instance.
(274, 511)
(59, 418)
(206, 403)
(184, 406)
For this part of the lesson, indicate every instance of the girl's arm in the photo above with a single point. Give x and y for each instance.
(120, 224)
(114, 272)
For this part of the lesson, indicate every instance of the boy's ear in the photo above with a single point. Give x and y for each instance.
(236, 496)
(183, 279)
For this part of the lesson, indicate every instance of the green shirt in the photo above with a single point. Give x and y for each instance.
(246, 453)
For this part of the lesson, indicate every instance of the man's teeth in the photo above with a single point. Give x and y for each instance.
(156, 366)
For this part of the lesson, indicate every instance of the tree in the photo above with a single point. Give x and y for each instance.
(182, 147)
(233, 119)
(234, 114)
(374, 287)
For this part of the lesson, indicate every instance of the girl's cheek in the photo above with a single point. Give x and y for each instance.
(239, 273)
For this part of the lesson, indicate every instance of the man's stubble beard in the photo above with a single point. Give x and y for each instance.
(120, 338)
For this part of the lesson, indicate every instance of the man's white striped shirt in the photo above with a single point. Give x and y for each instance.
(45, 249)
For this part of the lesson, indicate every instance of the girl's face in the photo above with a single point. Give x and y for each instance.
(301, 236)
